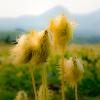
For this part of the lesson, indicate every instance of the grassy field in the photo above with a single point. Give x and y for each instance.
(14, 78)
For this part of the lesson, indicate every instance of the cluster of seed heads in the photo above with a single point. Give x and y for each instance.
(32, 46)
(35, 47)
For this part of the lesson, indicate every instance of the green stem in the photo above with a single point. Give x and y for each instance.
(62, 71)
(33, 82)
(76, 95)
(43, 95)
(44, 82)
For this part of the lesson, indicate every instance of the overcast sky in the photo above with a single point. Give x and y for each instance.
(13, 8)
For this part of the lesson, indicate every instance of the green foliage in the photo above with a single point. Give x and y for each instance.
(14, 78)
(90, 82)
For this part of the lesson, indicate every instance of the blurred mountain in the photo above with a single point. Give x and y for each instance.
(31, 22)
(89, 24)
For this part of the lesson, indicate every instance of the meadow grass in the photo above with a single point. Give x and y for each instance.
(14, 78)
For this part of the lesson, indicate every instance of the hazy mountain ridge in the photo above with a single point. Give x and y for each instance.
(30, 22)
(89, 24)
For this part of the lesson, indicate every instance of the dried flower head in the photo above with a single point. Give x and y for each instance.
(43, 48)
(40, 93)
(61, 30)
(22, 52)
(21, 95)
(33, 46)
(73, 70)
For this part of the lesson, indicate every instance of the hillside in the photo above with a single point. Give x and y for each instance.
(89, 24)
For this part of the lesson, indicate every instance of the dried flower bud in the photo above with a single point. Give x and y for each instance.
(73, 71)
(61, 30)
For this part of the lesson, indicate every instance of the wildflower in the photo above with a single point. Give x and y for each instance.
(33, 45)
(73, 70)
(43, 48)
(61, 30)
(22, 52)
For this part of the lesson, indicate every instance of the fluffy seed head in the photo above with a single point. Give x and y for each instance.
(73, 70)
(43, 48)
(33, 46)
(21, 95)
(22, 52)
(61, 30)
(41, 92)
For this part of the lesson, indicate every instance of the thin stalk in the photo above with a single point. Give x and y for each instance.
(43, 94)
(76, 95)
(44, 82)
(62, 71)
(33, 82)
(46, 86)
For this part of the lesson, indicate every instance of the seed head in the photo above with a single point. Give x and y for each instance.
(34, 46)
(61, 30)
(22, 52)
(21, 95)
(43, 48)
(73, 70)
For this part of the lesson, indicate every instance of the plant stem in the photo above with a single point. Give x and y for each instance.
(76, 96)
(62, 71)
(33, 82)
(44, 82)
(43, 94)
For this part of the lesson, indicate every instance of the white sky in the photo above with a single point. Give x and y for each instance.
(13, 8)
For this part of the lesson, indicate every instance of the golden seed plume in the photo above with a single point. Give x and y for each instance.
(43, 48)
(40, 93)
(21, 95)
(73, 71)
(32, 46)
(22, 52)
(61, 30)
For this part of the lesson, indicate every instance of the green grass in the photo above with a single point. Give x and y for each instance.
(14, 78)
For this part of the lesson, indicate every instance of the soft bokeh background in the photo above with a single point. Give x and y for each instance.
(20, 16)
